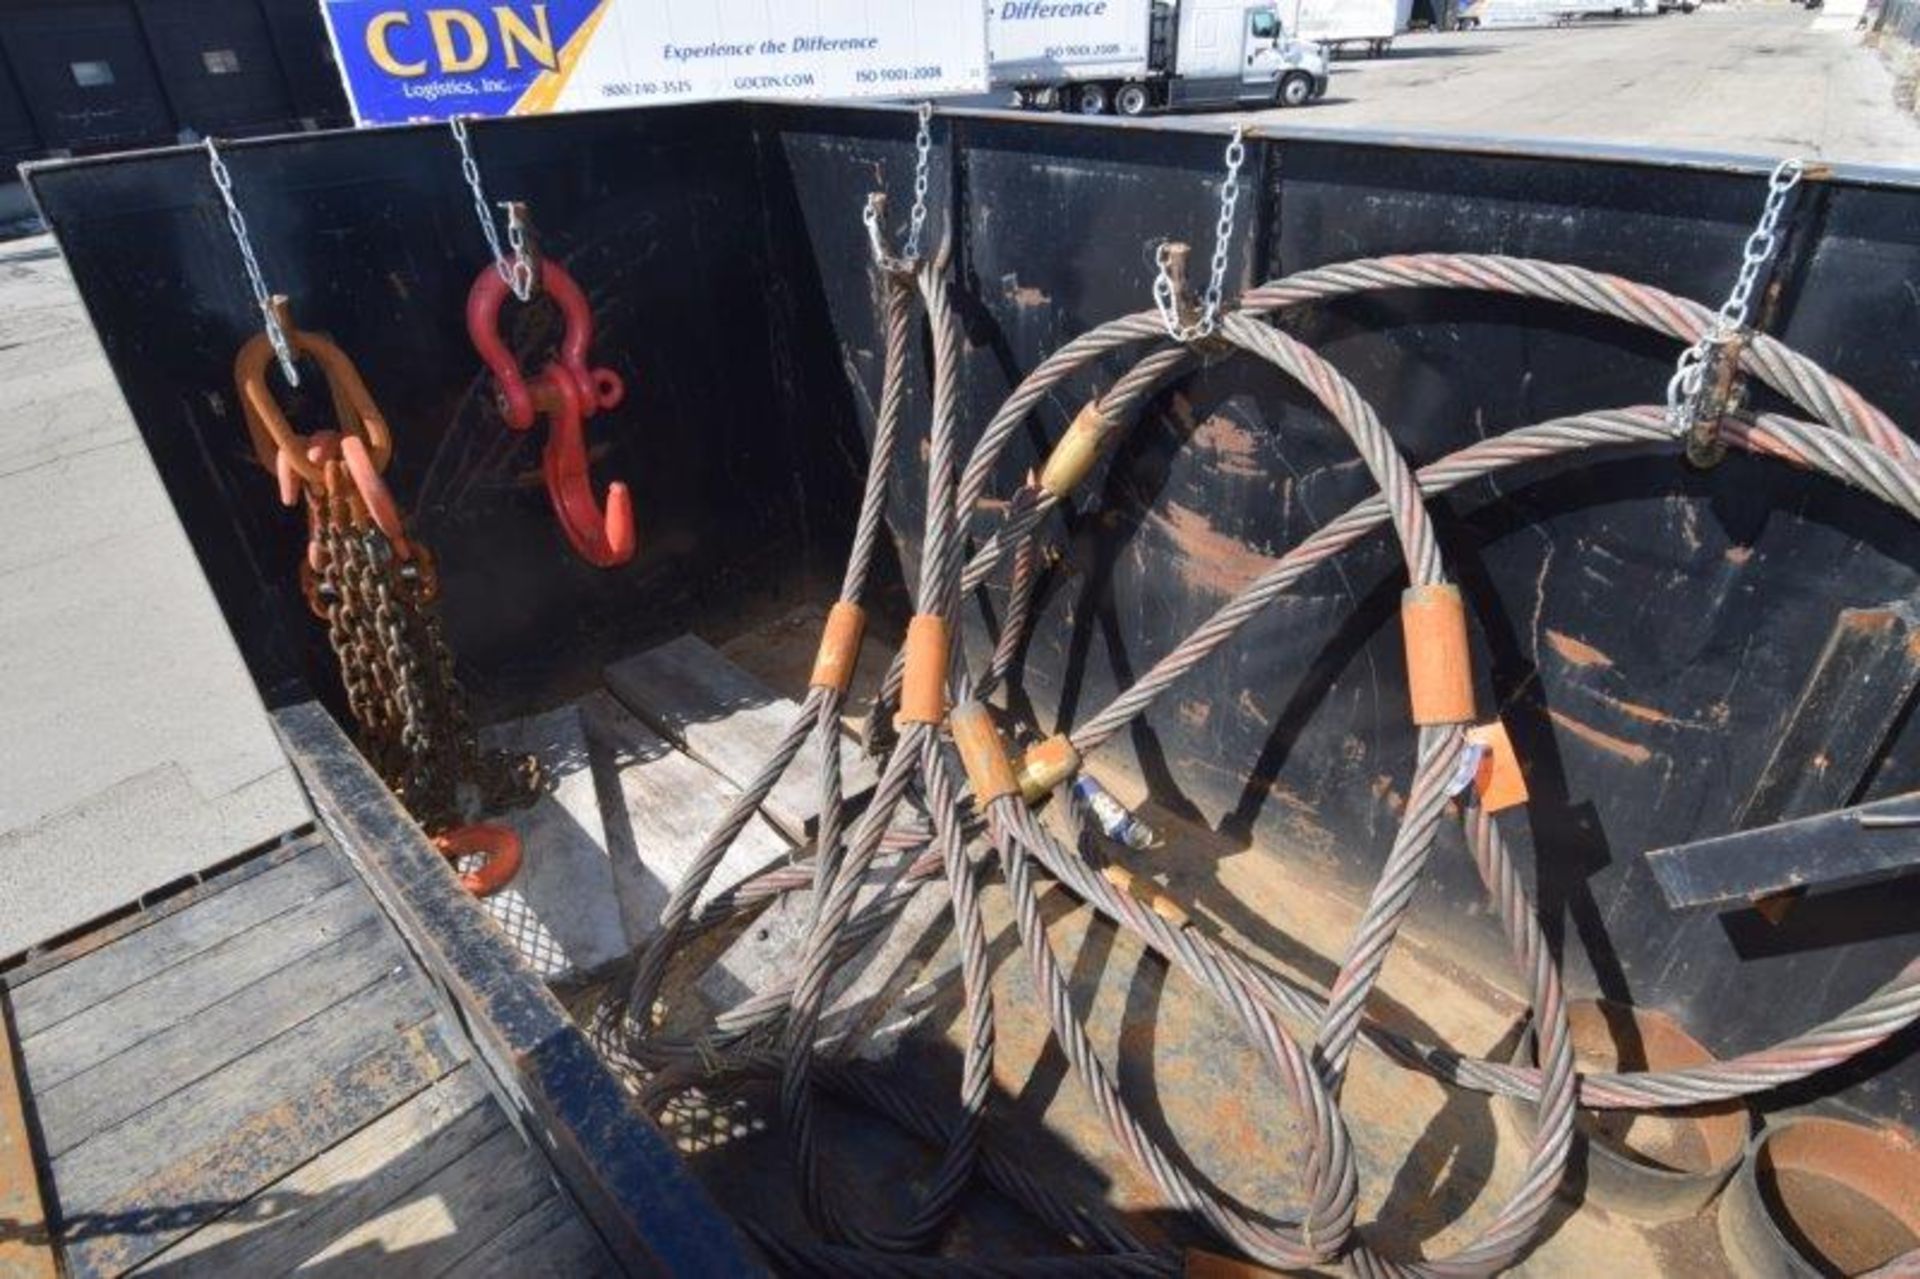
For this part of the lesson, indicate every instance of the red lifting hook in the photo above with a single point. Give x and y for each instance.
(567, 392)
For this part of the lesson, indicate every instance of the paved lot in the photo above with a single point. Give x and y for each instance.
(1754, 79)
(132, 747)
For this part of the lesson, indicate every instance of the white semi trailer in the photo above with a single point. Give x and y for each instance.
(1521, 13)
(1135, 56)
(1370, 24)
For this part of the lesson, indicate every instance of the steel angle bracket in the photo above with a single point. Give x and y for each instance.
(1846, 845)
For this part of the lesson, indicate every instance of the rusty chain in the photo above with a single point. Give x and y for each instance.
(384, 629)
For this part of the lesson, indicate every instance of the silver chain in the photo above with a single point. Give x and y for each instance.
(1683, 388)
(236, 220)
(1166, 293)
(517, 271)
(917, 216)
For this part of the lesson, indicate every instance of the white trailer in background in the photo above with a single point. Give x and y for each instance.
(1333, 24)
(1135, 56)
(1521, 13)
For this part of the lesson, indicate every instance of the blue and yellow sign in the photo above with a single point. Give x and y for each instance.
(431, 59)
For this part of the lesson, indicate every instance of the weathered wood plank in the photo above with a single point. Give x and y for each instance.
(293, 844)
(551, 1242)
(560, 911)
(697, 699)
(443, 1219)
(76, 986)
(189, 1157)
(862, 987)
(660, 804)
(617, 1164)
(175, 994)
(121, 1086)
(26, 1247)
(335, 1193)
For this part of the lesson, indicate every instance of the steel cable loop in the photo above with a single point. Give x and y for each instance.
(1333, 1180)
(818, 714)
(831, 1261)
(1884, 1013)
(916, 756)
(1819, 392)
(1121, 399)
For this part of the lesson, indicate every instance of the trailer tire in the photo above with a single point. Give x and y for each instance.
(1091, 99)
(1132, 99)
(1295, 90)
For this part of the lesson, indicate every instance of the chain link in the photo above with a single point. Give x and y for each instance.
(917, 216)
(923, 151)
(1166, 292)
(398, 675)
(1689, 374)
(237, 221)
(518, 270)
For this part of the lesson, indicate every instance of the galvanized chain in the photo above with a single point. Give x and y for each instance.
(1689, 374)
(237, 221)
(1166, 290)
(923, 151)
(917, 216)
(517, 271)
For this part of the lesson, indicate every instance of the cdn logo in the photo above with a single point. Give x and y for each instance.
(455, 41)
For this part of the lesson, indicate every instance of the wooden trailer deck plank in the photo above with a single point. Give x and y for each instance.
(260, 1080)
(659, 805)
(118, 1088)
(160, 906)
(318, 1203)
(176, 994)
(71, 988)
(550, 1242)
(725, 718)
(560, 911)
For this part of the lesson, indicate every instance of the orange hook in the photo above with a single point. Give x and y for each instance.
(499, 851)
(567, 392)
(604, 538)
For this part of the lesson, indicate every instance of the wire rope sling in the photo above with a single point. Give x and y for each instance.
(926, 824)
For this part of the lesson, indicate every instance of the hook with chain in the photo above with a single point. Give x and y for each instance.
(876, 208)
(237, 222)
(1166, 258)
(521, 271)
(1695, 405)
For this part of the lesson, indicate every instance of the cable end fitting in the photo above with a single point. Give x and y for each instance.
(982, 754)
(1433, 619)
(1044, 766)
(1498, 782)
(1076, 452)
(1147, 893)
(923, 684)
(839, 647)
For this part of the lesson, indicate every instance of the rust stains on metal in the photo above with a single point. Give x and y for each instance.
(1632, 752)
(1231, 447)
(1577, 652)
(1024, 296)
(1209, 559)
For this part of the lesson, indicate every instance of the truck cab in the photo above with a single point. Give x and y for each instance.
(1136, 56)
(1229, 52)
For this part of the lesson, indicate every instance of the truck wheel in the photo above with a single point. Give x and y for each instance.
(1091, 99)
(1132, 99)
(1295, 89)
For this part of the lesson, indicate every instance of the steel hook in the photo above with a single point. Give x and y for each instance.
(567, 392)
(604, 538)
